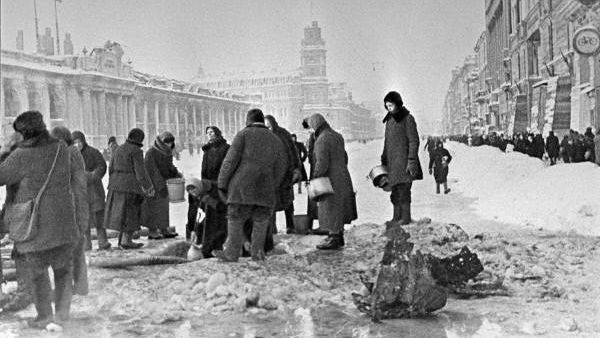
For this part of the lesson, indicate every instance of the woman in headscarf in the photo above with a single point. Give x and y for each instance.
(331, 160)
(80, 277)
(128, 183)
(41, 158)
(159, 166)
(212, 232)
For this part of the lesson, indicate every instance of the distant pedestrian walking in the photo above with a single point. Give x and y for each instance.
(439, 161)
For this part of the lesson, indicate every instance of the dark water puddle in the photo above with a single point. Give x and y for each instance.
(329, 321)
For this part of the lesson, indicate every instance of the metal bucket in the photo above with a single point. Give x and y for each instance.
(176, 189)
(302, 224)
(376, 174)
(319, 187)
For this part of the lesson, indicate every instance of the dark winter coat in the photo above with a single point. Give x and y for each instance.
(286, 190)
(126, 171)
(214, 154)
(95, 169)
(538, 146)
(63, 207)
(331, 160)
(401, 146)
(552, 145)
(159, 166)
(597, 148)
(252, 170)
(302, 154)
(440, 171)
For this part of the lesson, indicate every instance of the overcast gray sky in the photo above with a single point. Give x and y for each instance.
(418, 41)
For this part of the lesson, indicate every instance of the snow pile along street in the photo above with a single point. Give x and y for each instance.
(516, 188)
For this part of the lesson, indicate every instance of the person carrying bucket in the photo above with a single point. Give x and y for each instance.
(159, 166)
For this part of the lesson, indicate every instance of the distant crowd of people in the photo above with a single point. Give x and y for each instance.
(573, 148)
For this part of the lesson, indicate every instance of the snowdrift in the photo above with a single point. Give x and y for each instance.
(515, 188)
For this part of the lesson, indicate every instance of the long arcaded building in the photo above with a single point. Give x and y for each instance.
(101, 95)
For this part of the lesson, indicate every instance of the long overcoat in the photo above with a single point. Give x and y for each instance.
(63, 210)
(286, 190)
(159, 166)
(252, 171)
(126, 170)
(331, 160)
(401, 144)
(95, 169)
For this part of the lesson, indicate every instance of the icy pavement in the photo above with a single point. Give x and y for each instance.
(300, 292)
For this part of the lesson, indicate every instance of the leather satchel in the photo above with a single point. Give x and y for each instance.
(22, 218)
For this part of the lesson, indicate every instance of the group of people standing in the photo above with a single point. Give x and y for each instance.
(241, 188)
(573, 148)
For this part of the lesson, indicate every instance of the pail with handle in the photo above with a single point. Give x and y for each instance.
(176, 188)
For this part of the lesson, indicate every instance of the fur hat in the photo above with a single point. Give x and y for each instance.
(255, 115)
(30, 124)
(136, 135)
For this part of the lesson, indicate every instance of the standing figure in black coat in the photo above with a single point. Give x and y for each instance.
(439, 161)
(400, 155)
(215, 221)
(552, 147)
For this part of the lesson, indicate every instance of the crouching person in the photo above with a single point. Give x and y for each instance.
(211, 233)
(128, 183)
(248, 183)
(41, 165)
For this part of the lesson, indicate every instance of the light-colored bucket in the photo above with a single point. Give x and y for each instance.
(302, 224)
(176, 188)
(319, 187)
(378, 173)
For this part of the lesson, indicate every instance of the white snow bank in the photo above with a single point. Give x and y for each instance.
(515, 188)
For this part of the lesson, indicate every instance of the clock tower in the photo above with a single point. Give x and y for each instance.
(314, 67)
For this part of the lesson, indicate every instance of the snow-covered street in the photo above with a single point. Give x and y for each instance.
(299, 292)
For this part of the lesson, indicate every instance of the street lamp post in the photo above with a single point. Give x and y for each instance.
(56, 22)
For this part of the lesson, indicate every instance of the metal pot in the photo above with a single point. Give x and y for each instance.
(376, 174)
(319, 187)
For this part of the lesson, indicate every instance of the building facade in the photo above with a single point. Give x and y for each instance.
(291, 96)
(535, 80)
(103, 96)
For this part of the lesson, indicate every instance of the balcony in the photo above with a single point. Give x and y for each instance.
(482, 96)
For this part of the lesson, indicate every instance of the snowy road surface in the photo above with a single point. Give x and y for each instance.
(491, 191)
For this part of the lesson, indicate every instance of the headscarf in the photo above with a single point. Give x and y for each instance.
(62, 133)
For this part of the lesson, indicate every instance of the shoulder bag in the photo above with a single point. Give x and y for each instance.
(22, 218)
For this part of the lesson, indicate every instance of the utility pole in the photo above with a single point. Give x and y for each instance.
(37, 28)
(57, 33)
